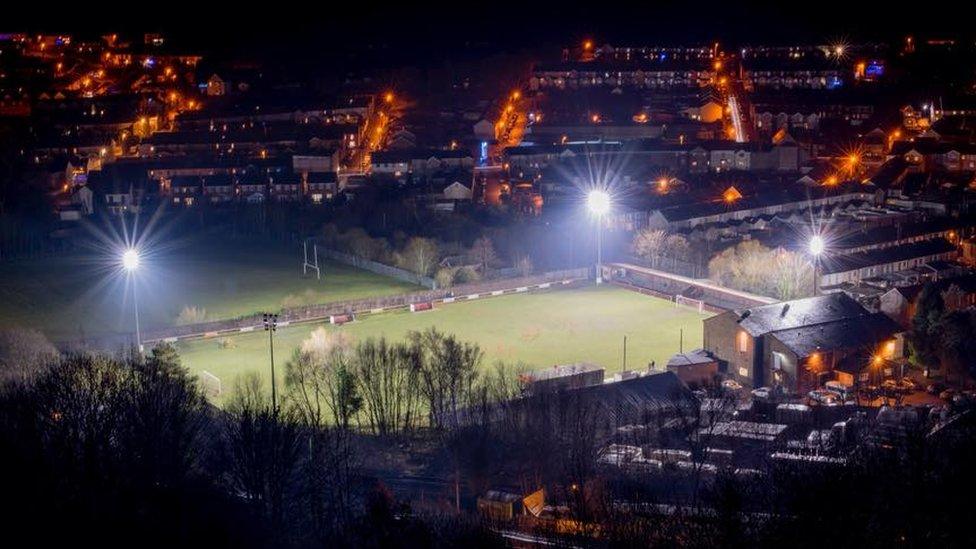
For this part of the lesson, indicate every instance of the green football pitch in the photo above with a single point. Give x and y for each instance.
(584, 324)
(79, 295)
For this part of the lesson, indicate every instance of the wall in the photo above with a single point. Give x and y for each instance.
(721, 338)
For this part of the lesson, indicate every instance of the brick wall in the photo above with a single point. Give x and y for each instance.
(723, 336)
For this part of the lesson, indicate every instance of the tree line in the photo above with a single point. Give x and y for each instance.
(125, 449)
(943, 332)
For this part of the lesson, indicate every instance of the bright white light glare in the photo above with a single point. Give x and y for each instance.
(816, 245)
(598, 202)
(130, 259)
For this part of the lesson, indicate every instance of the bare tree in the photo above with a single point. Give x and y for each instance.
(649, 245)
(24, 354)
(447, 370)
(385, 373)
(263, 442)
(677, 248)
(752, 267)
(483, 253)
(419, 255)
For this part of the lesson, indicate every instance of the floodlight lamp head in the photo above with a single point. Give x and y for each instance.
(130, 259)
(598, 202)
(816, 245)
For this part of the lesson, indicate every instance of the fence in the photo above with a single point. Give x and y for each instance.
(670, 265)
(310, 313)
(668, 285)
(378, 268)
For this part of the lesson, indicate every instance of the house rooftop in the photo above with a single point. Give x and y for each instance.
(563, 370)
(798, 313)
(884, 256)
(691, 358)
(865, 331)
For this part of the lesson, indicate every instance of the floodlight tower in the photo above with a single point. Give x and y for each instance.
(817, 247)
(598, 201)
(271, 326)
(130, 263)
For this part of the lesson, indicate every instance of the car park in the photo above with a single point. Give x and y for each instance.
(948, 395)
(845, 392)
(870, 392)
(824, 397)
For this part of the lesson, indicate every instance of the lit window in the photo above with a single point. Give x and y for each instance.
(743, 342)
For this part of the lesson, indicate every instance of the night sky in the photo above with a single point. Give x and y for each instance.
(426, 27)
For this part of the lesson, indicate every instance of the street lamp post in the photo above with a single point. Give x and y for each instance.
(270, 326)
(599, 204)
(130, 262)
(816, 249)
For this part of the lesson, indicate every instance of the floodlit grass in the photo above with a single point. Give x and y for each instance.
(541, 329)
(73, 296)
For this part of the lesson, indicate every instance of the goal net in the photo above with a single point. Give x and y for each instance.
(210, 383)
(696, 304)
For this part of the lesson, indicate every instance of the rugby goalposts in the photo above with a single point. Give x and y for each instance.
(311, 265)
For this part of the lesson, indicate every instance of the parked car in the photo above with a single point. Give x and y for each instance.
(964, 398)
(948, 395)
(762, 393)
(731, 385)
(870, 392)
(845, 392)
(896, 386)
(824, 397)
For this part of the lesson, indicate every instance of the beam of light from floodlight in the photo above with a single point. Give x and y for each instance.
(130, 259)
(816, 245)
(598, 201)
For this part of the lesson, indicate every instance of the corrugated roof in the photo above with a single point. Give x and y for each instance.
(863, 331)
(798, 313)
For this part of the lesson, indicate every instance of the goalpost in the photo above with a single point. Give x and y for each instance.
(314, 264)
(211, 384)
(689, 302)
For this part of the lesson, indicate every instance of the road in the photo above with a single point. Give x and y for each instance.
(737, 122)
(375, 133)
